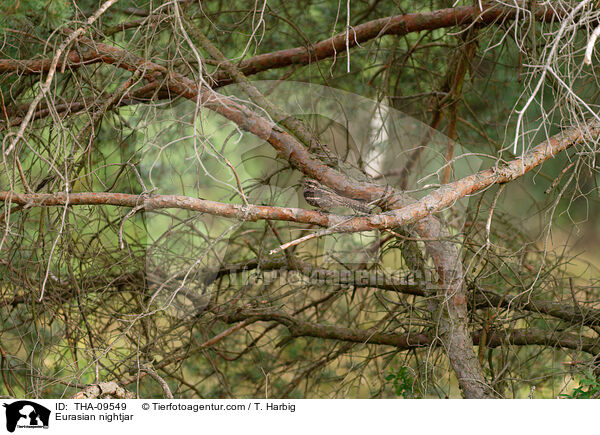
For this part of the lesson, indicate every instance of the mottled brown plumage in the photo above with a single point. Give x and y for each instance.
(324, 198)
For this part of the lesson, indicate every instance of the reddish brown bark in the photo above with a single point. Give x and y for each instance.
(439, 199)
(395, 25)
(453, 322)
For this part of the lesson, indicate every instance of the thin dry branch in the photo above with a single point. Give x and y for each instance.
(394, 25)
(439, 199)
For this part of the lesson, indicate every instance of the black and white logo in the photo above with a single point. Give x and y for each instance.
(25, 414)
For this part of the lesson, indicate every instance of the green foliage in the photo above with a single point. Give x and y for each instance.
(589, 387)
(35, 14)
(403, 383)
(26, 23)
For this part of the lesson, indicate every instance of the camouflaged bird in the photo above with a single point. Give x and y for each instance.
(324, 198)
